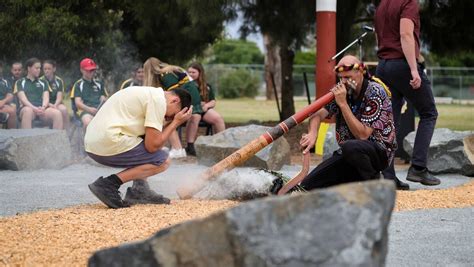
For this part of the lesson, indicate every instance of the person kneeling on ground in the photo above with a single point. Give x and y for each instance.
(364, 129)
(127, 132)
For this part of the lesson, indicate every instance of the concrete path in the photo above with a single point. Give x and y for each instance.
(436, 237)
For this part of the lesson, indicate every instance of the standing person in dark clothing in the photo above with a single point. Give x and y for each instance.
(364, 129)
(397, 25)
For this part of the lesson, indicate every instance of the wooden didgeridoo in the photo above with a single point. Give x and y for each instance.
(250, 149)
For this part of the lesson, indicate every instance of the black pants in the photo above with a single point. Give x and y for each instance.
(396, 74)
(357, 160)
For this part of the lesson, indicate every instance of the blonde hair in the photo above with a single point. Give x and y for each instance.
(153, 68)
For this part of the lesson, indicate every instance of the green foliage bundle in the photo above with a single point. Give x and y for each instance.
(238, 83)
(231, 51)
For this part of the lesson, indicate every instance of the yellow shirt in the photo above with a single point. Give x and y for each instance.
(119, 124)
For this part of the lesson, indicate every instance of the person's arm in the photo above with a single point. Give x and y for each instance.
(59, 98)
(409, 50)
(155, 139)
(80, 105)
(208, 105)
(45, 99)
(308, 140)
(359, 130)
(8, 98)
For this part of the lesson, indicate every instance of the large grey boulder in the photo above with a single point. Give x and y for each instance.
(340, 226)
(214, 148)
(449, 152)
(30, 149)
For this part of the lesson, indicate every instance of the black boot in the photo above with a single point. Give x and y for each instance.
(106, 190)
(140, 193)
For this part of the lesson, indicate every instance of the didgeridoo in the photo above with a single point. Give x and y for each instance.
(247, 151)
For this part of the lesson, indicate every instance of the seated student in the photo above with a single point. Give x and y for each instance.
(169, 77)
(88, 94)
(136, 80)
(16, 72)
(33, 95)
(208, 102)
(56, 89)
(6, 98)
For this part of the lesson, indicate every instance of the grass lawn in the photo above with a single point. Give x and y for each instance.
(455, 117)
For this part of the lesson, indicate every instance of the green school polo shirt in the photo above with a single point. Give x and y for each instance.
(32, 89)
(55, 85)
(173, 80)
(89, 91)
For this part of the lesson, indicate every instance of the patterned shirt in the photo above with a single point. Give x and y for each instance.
(374, 110)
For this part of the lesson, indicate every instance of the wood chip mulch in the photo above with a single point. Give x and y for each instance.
(69, 236)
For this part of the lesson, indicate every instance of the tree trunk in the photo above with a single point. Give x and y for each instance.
(272, 66)
(288, 107)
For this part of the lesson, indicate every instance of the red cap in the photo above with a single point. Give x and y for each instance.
(88, 64)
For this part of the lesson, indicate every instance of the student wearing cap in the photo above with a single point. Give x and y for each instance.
(56, 89)
(136, 80)
(33, 95)
(7, 107)
(88, 94)
(169, 77)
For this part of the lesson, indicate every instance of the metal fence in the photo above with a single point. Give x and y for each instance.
(449, 82)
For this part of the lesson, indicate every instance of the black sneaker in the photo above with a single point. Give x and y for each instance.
(108, 193)
(423, 177)
(399, 184)
(4, 117)
(140, 193)
(190, 151)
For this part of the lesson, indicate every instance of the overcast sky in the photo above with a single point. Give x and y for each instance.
(232, 31)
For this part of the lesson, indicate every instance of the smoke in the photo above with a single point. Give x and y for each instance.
(238, 184)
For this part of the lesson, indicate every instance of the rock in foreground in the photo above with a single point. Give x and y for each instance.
(340, 226)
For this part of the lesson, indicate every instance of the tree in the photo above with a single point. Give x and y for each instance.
(231, 51)
(175, 31)
(442, 19)
(277, 19)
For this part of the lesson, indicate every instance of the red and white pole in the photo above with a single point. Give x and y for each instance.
(325, 49)
(325, 45)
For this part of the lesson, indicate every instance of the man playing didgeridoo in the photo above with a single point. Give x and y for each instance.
(364, 129)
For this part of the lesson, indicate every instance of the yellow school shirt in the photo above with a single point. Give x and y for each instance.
(119, 124)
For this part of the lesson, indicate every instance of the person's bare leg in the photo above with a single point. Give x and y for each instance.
(215, 119)
(65, 115)
(192, 127)
(11, 110)
(86, 119)
(174, 141)
(54, 116)
(27, 115)
(142, 172)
